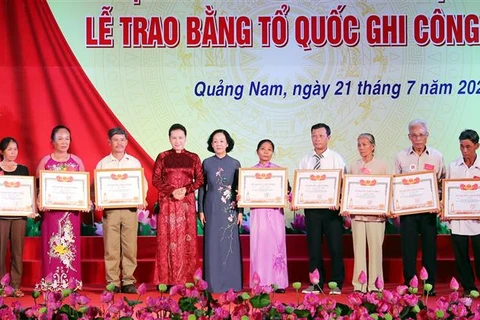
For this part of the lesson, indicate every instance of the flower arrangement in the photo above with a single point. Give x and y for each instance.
(193, 301)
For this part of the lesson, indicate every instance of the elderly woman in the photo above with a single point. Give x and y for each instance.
(367, 229)
(61, 264)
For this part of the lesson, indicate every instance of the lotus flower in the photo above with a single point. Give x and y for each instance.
(314, 277)
(454, 284)
(423, 274)
(413, 282)
(362, 278)
(142, 289)
(379, 283)
(256, 279)
(5, 279)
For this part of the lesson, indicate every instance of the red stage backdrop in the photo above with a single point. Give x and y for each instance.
(43, 85)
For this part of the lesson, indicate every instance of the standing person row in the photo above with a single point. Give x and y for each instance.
(12, 228)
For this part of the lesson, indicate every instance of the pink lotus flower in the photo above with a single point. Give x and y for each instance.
(142, 289)
(423, 274)
(314, 277)
(202, 285)
(414, 282)
(197, 275)
(411, 299)
(49, 278)
(379, 283)
(5, 279)
(256, 278)
(362, 278)
(402, 290)
(454, 284)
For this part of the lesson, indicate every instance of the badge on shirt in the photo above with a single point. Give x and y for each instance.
(428, 166)
(413, 167)
(366, 171)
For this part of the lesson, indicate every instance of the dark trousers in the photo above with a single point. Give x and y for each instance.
(462, 260)
(328, 222)
(410, 227)
(13, 229)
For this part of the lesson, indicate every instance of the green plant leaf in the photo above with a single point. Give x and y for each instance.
(260, 301)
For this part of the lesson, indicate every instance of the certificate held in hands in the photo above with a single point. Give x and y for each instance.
(262, 187)
(17, 196)
(65, 190)
(316, 188)
(119, 188)
(415, 193)
(366, 194)
(461, 199)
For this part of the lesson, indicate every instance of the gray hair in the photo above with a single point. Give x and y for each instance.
(367, 136)
(418, 122)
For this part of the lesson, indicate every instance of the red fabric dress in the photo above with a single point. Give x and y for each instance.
(176, 258)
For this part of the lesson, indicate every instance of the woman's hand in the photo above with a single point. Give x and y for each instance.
(179, 193)
(201, 216)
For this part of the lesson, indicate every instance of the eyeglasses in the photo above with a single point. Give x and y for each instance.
(418, 136)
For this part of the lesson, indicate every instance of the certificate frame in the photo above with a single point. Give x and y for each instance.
(22, 189)
(402, 183)
(273, 182)
(53, 182)
(375, 189)
(107, 179)
(469, 190)
(307, 179)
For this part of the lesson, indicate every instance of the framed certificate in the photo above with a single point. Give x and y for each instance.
(17, 196)
(262, 187)
(366, 194)
(65, 190)
(415, 193)
(119, 188)
(316, 188)
(461, 199)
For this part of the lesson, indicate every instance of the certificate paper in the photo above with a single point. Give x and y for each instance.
(316, 188)
(17, 195)
(65, 190)
(262, 187)
(366, 194)
(415, 193)
(461, 199)
(119, 188)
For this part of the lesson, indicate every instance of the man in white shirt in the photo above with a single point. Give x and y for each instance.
(467, 166)
(120, 225)
(419, 157)
(324, 221)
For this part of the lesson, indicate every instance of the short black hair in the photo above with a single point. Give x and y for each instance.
(4, 144)
(177, 126)
(56, 129)
(229, 139)
(265, 141)
(469, 134)
(320, 126)
(117, 130)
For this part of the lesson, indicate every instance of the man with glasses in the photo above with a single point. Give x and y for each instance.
(419, 157)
